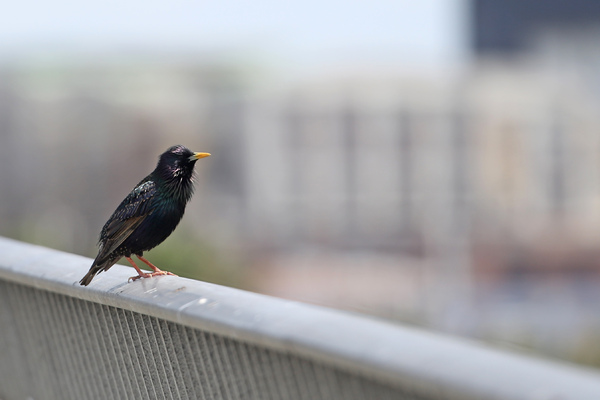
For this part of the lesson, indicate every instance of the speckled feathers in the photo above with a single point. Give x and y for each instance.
(150, 212)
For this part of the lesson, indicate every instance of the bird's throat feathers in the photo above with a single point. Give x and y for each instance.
(177, 183)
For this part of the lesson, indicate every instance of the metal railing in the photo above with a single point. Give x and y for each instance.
(177, 338)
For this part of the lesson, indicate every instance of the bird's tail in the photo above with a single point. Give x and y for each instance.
(95, 269)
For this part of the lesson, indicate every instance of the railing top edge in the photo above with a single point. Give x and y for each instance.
(425, 361)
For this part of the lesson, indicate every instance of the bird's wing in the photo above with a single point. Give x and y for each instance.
(128, 216)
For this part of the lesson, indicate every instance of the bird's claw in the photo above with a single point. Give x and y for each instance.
(159, 273)
(135, 278)
(156, 273)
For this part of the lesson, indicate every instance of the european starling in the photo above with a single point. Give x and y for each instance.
(148, 215)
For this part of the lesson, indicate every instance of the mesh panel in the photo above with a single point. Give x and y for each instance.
(57, 347)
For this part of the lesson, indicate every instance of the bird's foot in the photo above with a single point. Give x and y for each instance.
(142, 275)
(157, 271)
(161, 272)
(150, 275)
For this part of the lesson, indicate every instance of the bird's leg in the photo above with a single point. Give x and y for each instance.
(141, 274)
(156, 270)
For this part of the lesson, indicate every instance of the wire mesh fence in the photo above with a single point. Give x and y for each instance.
(175, 338)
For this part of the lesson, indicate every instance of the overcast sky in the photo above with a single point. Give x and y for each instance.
(307, 32)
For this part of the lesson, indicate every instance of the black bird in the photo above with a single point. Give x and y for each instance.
(149, 214)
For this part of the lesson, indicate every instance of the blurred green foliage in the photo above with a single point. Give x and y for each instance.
(187, 255)
(587, 351)
(582, 350)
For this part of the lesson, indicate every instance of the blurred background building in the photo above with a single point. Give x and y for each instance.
(433, 162)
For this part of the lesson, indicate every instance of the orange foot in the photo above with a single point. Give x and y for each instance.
(142, 275)
(161, 272)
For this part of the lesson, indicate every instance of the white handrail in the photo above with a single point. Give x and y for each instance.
(411, 362)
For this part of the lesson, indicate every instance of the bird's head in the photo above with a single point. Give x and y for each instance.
(178, 163)
(180, 157)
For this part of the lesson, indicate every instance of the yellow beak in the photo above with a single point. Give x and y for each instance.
(198, 156)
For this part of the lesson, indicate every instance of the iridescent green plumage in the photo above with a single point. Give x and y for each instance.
(149, 214)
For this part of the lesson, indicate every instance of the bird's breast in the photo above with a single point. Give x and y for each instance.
(167, 214)
(156, 227)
